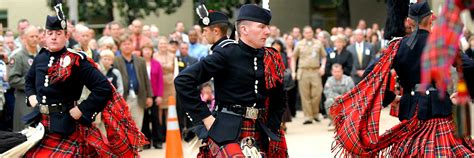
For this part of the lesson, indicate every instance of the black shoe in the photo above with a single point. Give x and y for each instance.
(158, 146)
(317, 120)
(307, 122)
(145, 147)
(188, 135)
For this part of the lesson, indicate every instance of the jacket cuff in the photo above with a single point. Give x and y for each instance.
(87, 117)
(200, 115)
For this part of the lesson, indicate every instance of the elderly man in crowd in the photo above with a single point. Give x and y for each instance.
(20, 63)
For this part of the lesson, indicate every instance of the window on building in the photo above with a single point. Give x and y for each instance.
(323, 14)
(4, 18)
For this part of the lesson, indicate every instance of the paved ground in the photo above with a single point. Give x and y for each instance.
(304, 141)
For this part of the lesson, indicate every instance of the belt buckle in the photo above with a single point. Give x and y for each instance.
(44, 109)
(251, 113)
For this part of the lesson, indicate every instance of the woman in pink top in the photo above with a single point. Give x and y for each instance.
(155, 73)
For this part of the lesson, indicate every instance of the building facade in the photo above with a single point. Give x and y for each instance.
(286, 14)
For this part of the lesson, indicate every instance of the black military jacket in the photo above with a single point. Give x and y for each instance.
(38, 83)
(235, 82)
(222, 42)
(468, 73)
(407, 65)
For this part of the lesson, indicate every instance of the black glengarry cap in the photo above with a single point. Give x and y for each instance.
(254, 13)
(57, 22)
(53, 23)
(419, 10)
(214, 18)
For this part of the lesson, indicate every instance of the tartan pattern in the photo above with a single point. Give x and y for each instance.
(275, 149)
(357, 112)
(442, 48)
(123, 138)
(231, 150)
(249, 129)
(274, 67)
(57, 73)
(55, 145)
(357, 123)
(441, 52)
(433, 138)
(278, 149)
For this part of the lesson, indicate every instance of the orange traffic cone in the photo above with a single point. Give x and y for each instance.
(174, 148)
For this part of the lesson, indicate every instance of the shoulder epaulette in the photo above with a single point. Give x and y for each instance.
(81, 54)
(227, 42)
(394, 39)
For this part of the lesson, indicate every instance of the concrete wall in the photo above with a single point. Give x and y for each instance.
(287, 14)
(166, 23)
(371, 11)
(33, 10)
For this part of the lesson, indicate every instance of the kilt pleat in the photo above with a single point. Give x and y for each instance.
(433, 138)
(58, 146)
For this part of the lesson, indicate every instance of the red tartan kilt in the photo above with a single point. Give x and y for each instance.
(433, 138)
(55, 145)
(231, 150)
(276, 149)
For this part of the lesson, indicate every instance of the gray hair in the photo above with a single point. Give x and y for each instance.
(105, 41)
(358, 31)
(81, 28)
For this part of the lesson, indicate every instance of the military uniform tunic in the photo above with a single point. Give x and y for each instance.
(407, 65)
(82, 73)
(238, 73)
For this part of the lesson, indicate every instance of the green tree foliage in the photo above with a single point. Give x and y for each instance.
(226, 6)
(103, 10)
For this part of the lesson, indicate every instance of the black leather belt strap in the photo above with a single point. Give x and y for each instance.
(55, 108)
(249, 113)
(246, 112)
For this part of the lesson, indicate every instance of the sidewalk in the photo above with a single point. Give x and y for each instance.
(304, 141)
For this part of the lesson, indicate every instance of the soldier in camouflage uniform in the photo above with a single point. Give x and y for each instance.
(336, 85)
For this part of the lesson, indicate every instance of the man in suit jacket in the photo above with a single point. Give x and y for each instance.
(136, 85)
(362, 53)
(184, 60)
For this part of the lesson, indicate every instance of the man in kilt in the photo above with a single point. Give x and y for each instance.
(215, 25)
(249, 91)
(427, 127)
(54, 84)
